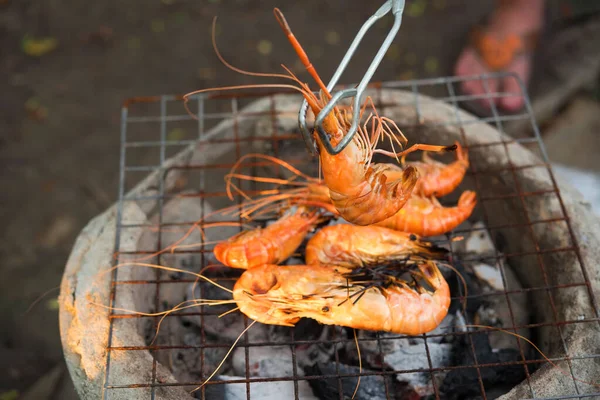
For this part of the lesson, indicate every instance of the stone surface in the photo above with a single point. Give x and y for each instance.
(571, 138)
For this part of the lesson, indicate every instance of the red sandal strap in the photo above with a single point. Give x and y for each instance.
(499, 52)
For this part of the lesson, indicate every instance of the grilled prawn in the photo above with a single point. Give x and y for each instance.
(435, 178)
(358, 246)
(425, 216)
(281, 295)
(270, 245)
(361, 192)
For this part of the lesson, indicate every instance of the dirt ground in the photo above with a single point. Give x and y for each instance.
(59, 115)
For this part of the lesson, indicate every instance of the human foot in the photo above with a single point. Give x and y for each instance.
(504, 44)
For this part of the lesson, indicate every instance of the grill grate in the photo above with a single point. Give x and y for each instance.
(141, 117)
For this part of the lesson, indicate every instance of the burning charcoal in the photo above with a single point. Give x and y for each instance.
(277, 390)
(492, 276)
(494, 309)
(479, 241)
(307, 354)
(464, 382)
(449, 324)
(457, 288)
(411, 356)
(187, 364)
(295, 261)
(372, 387)
(265, 361)
(399, 354)
(227, 327)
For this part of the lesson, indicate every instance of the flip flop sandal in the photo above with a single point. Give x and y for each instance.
(497, 54)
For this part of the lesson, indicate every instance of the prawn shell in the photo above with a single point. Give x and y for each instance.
(281, 295)
(425, 217)
(357, 246)
(376, 198)
(271, 245)
(436, 178)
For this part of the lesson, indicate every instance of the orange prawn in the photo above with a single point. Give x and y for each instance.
(270, 245)
(282, 295)
(361, 192)
(436, 178)
(353, 246)
(425, 216)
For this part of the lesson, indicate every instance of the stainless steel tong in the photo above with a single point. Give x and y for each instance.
(397, 8)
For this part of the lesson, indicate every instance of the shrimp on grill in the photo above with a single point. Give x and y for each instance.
(361, 299)
(309, 191)
(425, 216)
(435, 178)
(361, 192)
(270, 245)
(439, 179)
(359, 246)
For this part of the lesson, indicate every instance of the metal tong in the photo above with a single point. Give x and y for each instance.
(397, 8)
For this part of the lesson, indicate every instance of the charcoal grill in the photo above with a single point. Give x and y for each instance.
(542, 226)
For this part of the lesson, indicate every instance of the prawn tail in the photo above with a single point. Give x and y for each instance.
(406, 183)
(432, 275)
(467, 202)
(462, 156)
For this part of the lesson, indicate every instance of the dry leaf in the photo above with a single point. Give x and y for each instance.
(176, 134)
(10, 395)
(264, 47)
(332, 37)
(157, 25)
(37, 47)
(431, 65)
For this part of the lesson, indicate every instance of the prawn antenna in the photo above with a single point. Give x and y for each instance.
(359, 364)
(300, 51)
(46, 293)
(225, 357)
(236, 69)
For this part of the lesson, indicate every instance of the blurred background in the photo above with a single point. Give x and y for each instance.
(68, 65)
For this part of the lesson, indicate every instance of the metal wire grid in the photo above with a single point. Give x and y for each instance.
(166, 143)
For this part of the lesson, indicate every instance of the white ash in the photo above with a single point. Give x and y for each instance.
(461, 323)
(295, 261)
(276, 390)
(413, 356)
(494, 280)
(496, 312)
(491, 275)
(442, 333)
(265, 361)
(405, 353)
(479, 240)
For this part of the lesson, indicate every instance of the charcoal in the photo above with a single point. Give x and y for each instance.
(456, 286)
(276, 390)
(371, 387)
(464, 382)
